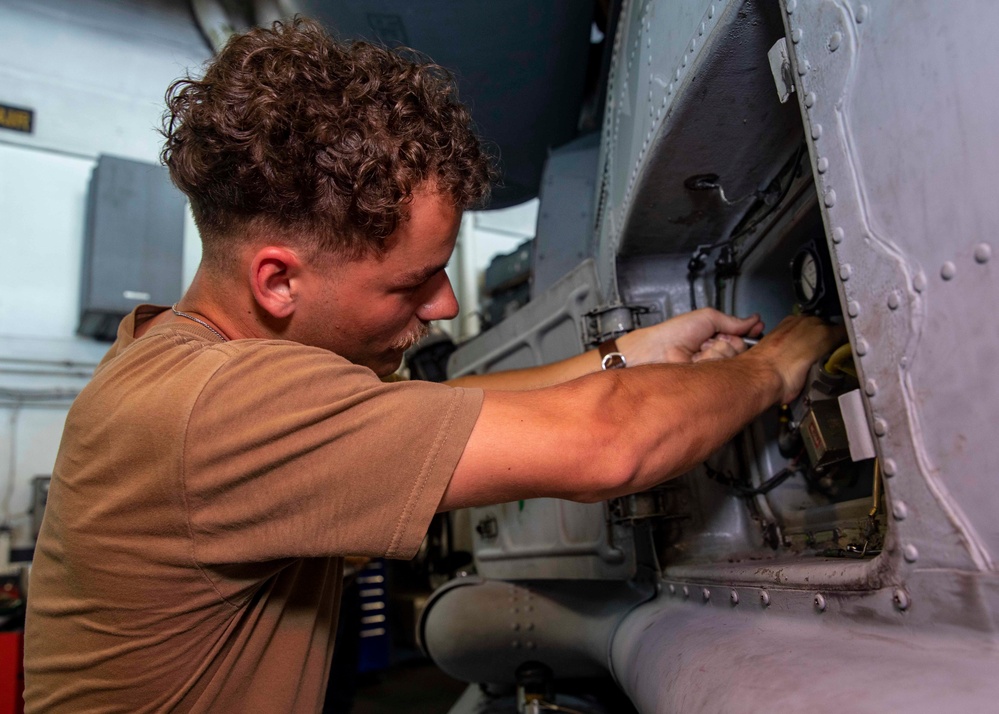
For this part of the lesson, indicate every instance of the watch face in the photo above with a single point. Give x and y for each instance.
(613, 360)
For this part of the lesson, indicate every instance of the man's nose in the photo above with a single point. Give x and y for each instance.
(442, 305)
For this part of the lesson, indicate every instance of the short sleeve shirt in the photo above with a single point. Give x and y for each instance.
(202, 501)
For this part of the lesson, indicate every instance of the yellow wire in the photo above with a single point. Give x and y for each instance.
(838, 361)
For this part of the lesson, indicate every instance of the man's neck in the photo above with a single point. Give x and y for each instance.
(215, 302)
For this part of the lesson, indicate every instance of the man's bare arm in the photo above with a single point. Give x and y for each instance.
(701, 334)
(623, 431)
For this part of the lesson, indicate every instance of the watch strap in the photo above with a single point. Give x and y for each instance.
(610, 356)
(608, 346)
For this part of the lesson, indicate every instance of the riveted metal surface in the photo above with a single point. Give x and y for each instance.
(901, 232)
(671, 655)
(892, 110)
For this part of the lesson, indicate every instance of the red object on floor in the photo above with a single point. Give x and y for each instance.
(11, 673)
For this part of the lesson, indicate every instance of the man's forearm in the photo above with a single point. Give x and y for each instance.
(608, 434)
(675, 416)
(546, 375)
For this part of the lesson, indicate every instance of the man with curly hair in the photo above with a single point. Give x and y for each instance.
(231, 450)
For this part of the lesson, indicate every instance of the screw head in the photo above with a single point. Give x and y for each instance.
(948, 271)
(899, 510)
(820, 602)
(835, 40)
(901, 600)
(672, 589)
(734, 597)
(764, 598)
(910, 553)
(686, 591)
(983, 252)
(889, 468)
(706, 594)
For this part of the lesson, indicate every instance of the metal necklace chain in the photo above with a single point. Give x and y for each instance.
(204, 324)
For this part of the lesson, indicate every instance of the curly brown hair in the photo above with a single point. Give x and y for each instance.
(291, 130)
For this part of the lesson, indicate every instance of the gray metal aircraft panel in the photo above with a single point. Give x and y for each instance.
(893, 159)
(546, 537)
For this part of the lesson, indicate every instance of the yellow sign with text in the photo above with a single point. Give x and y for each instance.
(16, 118)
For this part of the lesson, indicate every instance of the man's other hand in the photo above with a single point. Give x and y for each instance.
(692, 337)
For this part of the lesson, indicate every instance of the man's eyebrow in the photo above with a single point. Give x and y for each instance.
(419, 275)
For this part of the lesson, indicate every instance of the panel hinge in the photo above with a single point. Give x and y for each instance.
(611, 321)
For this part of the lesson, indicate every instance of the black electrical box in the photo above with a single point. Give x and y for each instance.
(134, 243)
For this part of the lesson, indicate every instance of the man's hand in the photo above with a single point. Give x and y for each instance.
(794, 346)
(692, 337)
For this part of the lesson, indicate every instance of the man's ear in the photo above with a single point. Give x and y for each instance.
(275, 273)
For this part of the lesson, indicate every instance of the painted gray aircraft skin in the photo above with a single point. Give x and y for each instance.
(772, 577)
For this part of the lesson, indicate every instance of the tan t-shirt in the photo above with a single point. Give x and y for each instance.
(202, 498)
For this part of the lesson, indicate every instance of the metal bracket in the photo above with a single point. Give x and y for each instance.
(611, 321)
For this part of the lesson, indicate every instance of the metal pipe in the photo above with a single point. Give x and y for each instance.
(481, 631)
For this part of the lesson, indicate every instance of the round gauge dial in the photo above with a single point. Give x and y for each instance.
(807, 275)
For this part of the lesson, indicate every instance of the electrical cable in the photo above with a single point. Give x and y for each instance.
(766, 487)
(729, 264)
(789, 169)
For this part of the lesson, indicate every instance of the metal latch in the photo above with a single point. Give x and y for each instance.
(611, 321)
